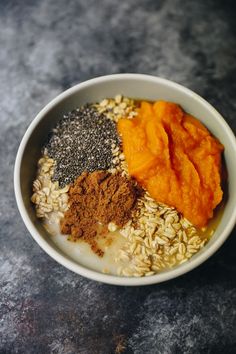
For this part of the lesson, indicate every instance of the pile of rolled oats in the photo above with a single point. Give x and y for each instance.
(158, 237)
(48, 197)
(116, 108)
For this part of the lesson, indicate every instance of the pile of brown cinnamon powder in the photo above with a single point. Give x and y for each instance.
(96, 199)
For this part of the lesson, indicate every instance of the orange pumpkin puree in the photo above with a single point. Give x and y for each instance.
(175, 158)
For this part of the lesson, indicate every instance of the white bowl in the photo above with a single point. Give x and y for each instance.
(136, 86)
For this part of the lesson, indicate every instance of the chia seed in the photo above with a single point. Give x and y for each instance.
(81, 141)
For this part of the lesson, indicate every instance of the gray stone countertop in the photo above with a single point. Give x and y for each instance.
(46, 47)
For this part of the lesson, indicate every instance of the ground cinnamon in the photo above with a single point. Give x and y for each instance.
(96, 199)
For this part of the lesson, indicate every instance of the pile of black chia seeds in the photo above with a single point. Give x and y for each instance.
(80, 142)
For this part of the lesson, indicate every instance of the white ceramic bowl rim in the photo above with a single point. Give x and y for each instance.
(72, 265)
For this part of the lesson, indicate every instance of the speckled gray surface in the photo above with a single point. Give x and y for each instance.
(46, 47)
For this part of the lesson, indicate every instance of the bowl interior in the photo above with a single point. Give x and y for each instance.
(135, 86)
